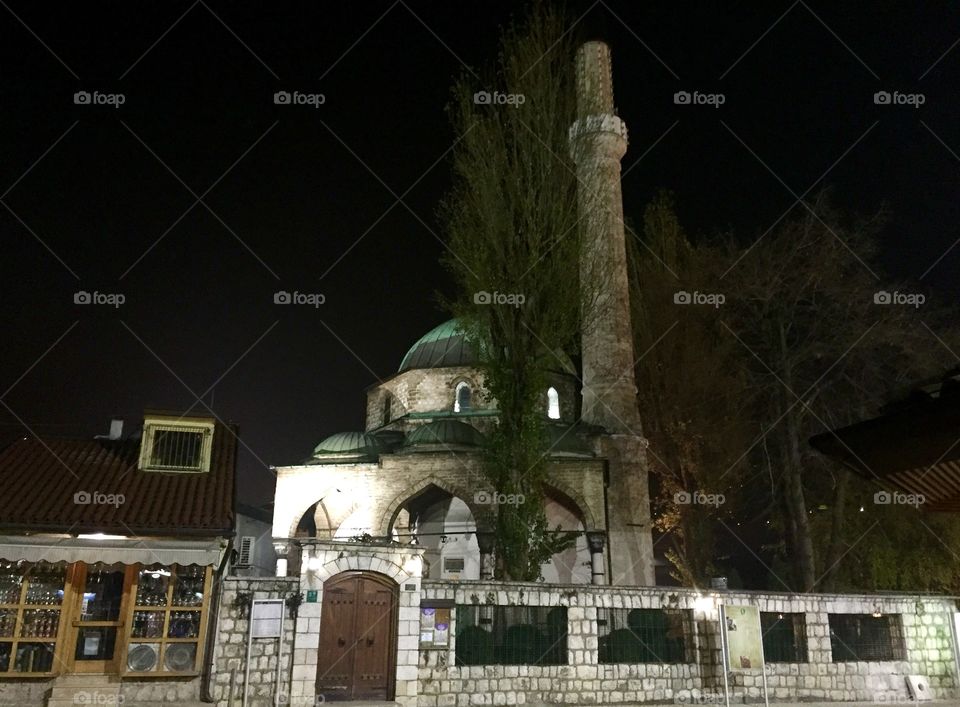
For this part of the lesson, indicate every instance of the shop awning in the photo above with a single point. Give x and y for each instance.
(110, 551)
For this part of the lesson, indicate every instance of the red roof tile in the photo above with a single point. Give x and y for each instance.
(39, 478)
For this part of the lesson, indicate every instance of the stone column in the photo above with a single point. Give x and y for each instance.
(485, 543)
(598, 141)
(282, 550)
(595, 541)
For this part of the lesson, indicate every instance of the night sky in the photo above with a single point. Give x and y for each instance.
(302, 198)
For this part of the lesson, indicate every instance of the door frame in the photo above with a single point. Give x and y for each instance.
(394, 588)
(77, 579)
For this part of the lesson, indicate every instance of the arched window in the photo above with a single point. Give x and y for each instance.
(553, 403)
(462, 396)
(387, 403)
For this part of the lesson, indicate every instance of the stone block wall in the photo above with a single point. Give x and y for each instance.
(323, 560)
(231, 645)
(925, 622)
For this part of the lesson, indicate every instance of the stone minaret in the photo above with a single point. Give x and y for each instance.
(598, 140)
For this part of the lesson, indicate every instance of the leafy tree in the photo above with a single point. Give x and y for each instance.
(688, 389)
(511, 225)
(822, 353)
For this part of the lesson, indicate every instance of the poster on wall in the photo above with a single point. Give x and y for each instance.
(434, 627)
(744, 638)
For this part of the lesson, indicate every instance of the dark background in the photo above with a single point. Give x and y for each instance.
(320, 179)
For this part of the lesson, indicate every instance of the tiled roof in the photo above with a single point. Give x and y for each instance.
(39, 478)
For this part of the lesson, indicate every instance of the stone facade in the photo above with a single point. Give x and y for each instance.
(229, 666)
(321, 561)
(927, 636)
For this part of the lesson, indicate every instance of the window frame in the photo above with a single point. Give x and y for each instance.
(457, 406)
(553, 399)
(151, 427)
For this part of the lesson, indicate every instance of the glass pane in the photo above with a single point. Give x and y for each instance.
(188, 587)
(96, 643)
(142, 657)
(11, 578)
(102, 593)
(40, 623)
(5, 649)
(152, 586)
(34, 658)
(184, 624)
(178, 657)
(8, 621)
(147, 624)
(45, 584)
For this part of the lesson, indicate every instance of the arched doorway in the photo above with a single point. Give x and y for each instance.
(443, 525)
(358, 638)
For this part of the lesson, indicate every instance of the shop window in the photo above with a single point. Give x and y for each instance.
(31, 601)
(169, 618)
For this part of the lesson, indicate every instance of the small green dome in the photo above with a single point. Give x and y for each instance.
(442, 346)
(445, 432)
(348, 444)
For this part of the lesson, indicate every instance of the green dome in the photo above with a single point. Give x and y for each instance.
(446, 432)
(348, 444)
(442, 346)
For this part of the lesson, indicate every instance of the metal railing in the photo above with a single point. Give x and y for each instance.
(511, 635)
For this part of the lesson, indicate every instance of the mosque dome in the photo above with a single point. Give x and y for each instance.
(442, 346)
(347, 445)
(446, 433)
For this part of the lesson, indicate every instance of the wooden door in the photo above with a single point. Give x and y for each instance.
(97, 626)
(358, 623)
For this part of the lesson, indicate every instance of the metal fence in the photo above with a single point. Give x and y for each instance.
(784, 637)
(865, 637)
(511, 635)
(643, 635)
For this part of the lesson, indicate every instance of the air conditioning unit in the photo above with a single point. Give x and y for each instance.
(245, 554)
(142, 657)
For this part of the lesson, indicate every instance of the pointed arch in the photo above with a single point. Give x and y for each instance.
(565, 492)
(389, 514)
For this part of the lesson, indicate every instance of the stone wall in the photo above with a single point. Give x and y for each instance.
(926, 633)
(321, 561)
(231, 644)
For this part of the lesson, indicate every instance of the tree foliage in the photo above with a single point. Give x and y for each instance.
(511, 226)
